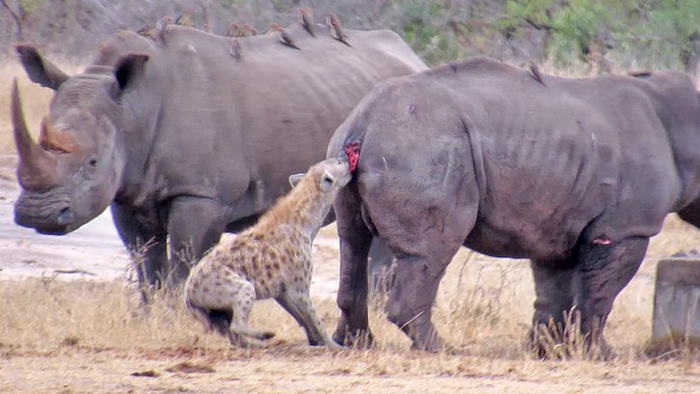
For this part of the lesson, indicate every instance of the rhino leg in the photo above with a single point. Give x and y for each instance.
(380, 262)
(147, 246)
(411, 298)
(691, 214)
(355, 239)
(424, 232)
(195, 225)
(603, 271)
(554, 288)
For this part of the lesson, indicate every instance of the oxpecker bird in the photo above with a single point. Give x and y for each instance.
(306, 18)
(282, 35)
(235, 48)
(163, 25)
(335, 29)
(185, 18)
(233, 30)
(145, 30)
(248, 31)
(534, 72)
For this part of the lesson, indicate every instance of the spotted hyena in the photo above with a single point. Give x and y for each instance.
(270, 260)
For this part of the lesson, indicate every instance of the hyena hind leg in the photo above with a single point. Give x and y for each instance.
(243, 298)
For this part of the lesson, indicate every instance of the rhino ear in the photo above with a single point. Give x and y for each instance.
(38, 69)
(128, 73)
(294, 179)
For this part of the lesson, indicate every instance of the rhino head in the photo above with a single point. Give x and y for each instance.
(74, 170)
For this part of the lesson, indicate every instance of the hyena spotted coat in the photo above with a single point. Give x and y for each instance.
(270, 260)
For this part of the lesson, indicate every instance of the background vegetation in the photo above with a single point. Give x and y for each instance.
(570, 33)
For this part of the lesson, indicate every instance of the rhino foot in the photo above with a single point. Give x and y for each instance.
(359, 338)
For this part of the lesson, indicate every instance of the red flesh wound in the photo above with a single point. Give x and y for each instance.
(352, 151)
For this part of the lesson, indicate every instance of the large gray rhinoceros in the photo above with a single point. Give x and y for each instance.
(189, 134)
(575, 175)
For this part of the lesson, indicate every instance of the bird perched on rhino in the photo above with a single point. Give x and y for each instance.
(306, 19)
(145, 30)
(184, 18)
(235, 48)
(233, 30)
(248, 31)
(163, 25)
(534, 71)
(335, 30)
(282, 35)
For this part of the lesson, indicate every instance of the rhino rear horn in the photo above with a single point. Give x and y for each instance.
(37, 167)
(54, 140)
(128, 73)
(38, 69)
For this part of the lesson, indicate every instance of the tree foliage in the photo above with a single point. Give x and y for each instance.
(647, 32)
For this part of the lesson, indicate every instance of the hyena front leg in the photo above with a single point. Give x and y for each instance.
(298, 303)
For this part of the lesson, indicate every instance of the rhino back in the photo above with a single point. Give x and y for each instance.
(228, 125)
(549, 160)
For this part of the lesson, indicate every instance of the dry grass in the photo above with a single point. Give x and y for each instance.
(483, 313)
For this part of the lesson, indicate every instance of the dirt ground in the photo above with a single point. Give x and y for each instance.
(47, 347)
(299, 370)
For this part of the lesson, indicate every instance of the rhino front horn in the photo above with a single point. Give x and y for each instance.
(37, 167)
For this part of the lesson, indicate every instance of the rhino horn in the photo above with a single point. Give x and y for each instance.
(55, 141)
(37, 167)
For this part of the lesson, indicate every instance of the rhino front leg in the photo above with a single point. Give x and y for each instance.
(147, 247)
(195, 225)
(603, 271)
(355, 239)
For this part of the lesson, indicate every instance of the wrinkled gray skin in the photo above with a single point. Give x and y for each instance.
(181, 138)
(575, 175)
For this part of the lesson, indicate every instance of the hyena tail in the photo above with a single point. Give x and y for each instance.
(217, 320)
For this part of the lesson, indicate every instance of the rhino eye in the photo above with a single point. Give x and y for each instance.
(93, 162)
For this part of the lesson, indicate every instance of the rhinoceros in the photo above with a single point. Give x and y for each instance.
(573, 174)
(188, 134)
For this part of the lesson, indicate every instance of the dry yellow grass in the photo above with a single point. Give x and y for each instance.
(83, 336)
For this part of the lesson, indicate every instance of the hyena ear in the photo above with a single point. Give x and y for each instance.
(295, 178)
(327, 181)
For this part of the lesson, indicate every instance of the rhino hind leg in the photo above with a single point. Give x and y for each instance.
(603, 271)
(691, 214)
(424, 233)
(355, 239)
(411, 298)
(554, 288)
(195, 225)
